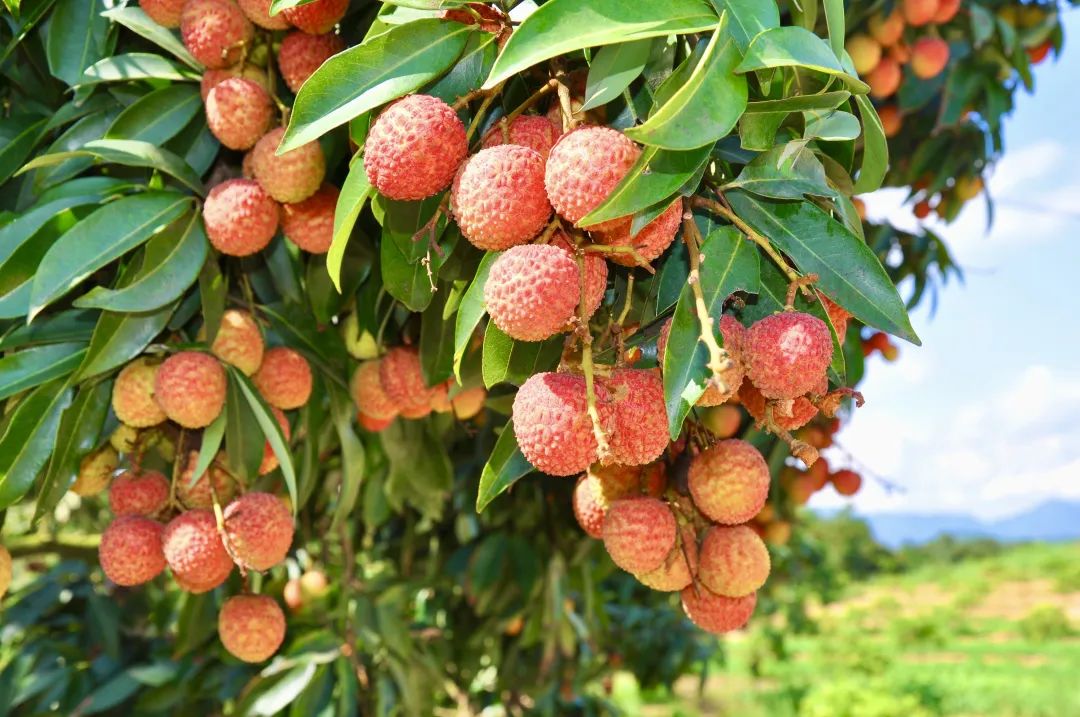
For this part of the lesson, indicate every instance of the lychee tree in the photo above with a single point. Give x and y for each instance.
(301, 300)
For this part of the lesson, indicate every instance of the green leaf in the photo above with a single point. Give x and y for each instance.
(848, 270)
(797, 47)
(76, 39)
(157, 116)
(834, 18)
(353, 457)
(788, 171)
(270, 429)
(244, 440)
(748, 18)
(410, 266)
(800, 103)
(208, 449)
(18, 135)
(514, 361)
(420, 470)
(366, 76)
(66, 326)
(471, 310)
(34, 366)
(656, 176)
(559, 27)
(729, 264)
(28, 438)
(758, 131)
(613, 69)
(437, 337)
(129, 152)
(875, 154)
(705, 108)
(103, 237)
(354, 195)
(120, 337)
(212, 294)
(833, 125)
(468, 72)
(134, 19)
(504, 467)
(137, 66)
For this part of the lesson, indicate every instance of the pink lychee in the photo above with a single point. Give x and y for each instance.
(639, 533)
(259, 529)
(368, 393)
(301, 54)
(316, 17)
(251, 627)
(498, 197)
(309, 224)
(130, 550)
(532, 291)
(583, 167)
(729, 481)
(215, 32)
(139, 493)
(133, 394)
(536, 133)
(194, 550)
(240, 217)
(292, 176)
(190, 388)
(788, 353)
(258, 11)
(650, 242)
(733, 560)
(239, 341)
(284, 378)
(715, 613)
(640, 433)
(238, 112)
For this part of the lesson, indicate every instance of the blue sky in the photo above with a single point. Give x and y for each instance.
(984, 418)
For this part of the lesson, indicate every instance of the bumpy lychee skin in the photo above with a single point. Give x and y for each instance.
(402, 378)
(95, 471)
(139, 494)
(532, 291)
(213, 78)
(190, 388)
(238, 112)
(788, 354)
(729, 481)
(368, 394)
(270, 460)
(194, 551)
(284, 378)
(587, 509)
(597, 489)
(260, 530)
(583, 167)
(124, 438)
(309, 224)
(130, 550)
(317, 17)
(301, 54)
(240, 217)
(291, 177)
(639, 533)
(498, 197)
(788, 417)
(733, 560)
(258, 11)
(716, 613)
(640, 433)
(679, 567)
(414, 148)
(215, 32)
(198, 494)
(596, 275)
(251, 627)
(552, 424)
(650, 242)
(133, 394)
(239, 341)
(5, 570)
(536, 133)
(164, 12)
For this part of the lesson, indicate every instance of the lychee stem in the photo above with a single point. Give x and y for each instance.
(602, 448)
(800, 449)
(478, 118)
(718, 357)
(564, 102)
(605, 249)
(532, 100)
(803, 282)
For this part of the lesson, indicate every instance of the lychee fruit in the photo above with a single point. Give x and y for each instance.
(498, 197)
(468, 403)
(778, 533)
(597, 489)
(238, 112)
(884, 79)
(138, 493)
(929, 56)
(251, 627)
(1038, 53)
(239, 341)
(125, 438)
(788, 353)
(639, 533)
(679, 567)
(788, 418)
(164, 12)
(865, 52)
(582, 169)
(440, 397)
(194, 551)
(130, 550)
(887, 30)
(946, 11)
(309, 224)
(190, 388)
(402, 379)
(922, 209)
(891, 120)
(715, 613)
(270, 460)
(95, 471)
(838, 316)
(215, 32)
(368, 394)
(532, 291)
(371, 424)
(654, 238)
(293, 594)
(846, 482)
(260, 530)
(133, 394)
(316, 17)
(729, 481)
(536, 133)
(733, 560)
(596, 275)
(199, 493)
(414, 148)
(240, 217)
(292, 176)
(284, 378)
(552, 423)
(213, 78)
(301, 54)
(919, 12)
(258, 11)
(722, 421)
(640, 431)
(5, 571)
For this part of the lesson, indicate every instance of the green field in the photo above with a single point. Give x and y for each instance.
(991, 637)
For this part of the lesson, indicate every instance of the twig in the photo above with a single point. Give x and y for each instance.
(606, 249)
(478, 118)
(602, 448)
(532, 100)
(718, 208)
(718, 357)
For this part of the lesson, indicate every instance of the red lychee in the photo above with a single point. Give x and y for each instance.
(316, 17)
(729, 481)
(194, 551)
(639, 533)
(891, 123)
(929, 56)
(733, 560)
(199, 494)
(130, 550)
(640, 432)
(309, 224)
(919, 12)
(284, 378)
(374, 425)
(239, 341)
(788, 353)
(946, 11)
(654, 238)
(596, 275)
(215, 32)
(838, 315)
(402, 379)
(258, 11)
(133, 394)
(846, 482)
(368, 394)
(532, 291)
(597, 489)
(715, 613)
(582, 169)
(164, 12)
(734, 337)
(884, 79)
(301, 54)
(788, 418)
(213, 78)
(414, 148)
(536, 133)
(270, 460)
(251, 627)
(238, 112)
(292, 176)
(498, 197)
(134, 493)
(240, 217)
(190, 388)
(260, 530)
(679, 567)
(887, 30)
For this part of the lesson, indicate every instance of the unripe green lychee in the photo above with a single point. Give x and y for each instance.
(309, 224)
(258, 11)
(240, 217)
(260, 530)
(729, 481)
(640, 432)
(679, 567)
(130, 550)
(716, 613)
(733, 560)
(215, 32)
(251, 627)
(787, 415)
(164, 12)
(239, 341)
(95, 471)
(498, 197)
(597, 489)
(301, 54)
(134, 493)
(639, 533)
(402, 379)
(368, 394)
(133, 394)
(582, 169)
(788, 353)
(552, 424)
(199, 494)
(532, 291)
(316, 17)
(290, 177)
(194, 551)
(649, 243)
(270, 460)
(5, 571)
(536, 133)
(238, 112)
(213, 78)
(190, 388)
(414, 148)
(284, 378)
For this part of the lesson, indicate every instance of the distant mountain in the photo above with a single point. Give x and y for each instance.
(1052, 521)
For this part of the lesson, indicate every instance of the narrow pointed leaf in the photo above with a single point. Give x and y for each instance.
(28, 438)
(797, 47)
(504, 467)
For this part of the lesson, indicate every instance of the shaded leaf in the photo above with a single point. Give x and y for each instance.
(28, 438)
(471, 310)
(510, 361)
(157, 116)
(34, 366)
(504, 467)
(613, 69)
